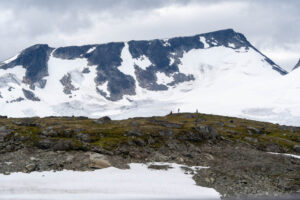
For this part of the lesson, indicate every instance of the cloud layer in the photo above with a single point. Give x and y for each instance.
(273, 26)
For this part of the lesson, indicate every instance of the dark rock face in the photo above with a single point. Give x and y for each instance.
(71, 52)
(30, 95)
(67, 83)
(17, 100)
(86, 71)
(35, 60)
(107, 58)
(119, 84)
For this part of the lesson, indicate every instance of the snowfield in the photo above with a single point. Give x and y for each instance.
(138, 182)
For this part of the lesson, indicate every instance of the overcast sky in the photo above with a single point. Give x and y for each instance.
(273, 26)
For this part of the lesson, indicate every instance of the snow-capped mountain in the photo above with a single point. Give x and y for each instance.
(218, 72)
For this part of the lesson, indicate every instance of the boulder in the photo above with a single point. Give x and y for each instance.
(231, 126)
(158, 157)
(159, 167)
(273, 148)
(4, 134)
(166, 133)
(63, 145)
(251, 140)
(30, 167)
(84, 137)
(297, 148)
(98, 161)
(49, 132)
(253, 130)
(139, 142)
(192, 136)
(102, 120)
(201, 133)
(44, 144)
(134, 133)
(26, 122)
(166, 124)
(207, 132)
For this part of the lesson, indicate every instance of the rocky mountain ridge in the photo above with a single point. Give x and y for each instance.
(164, 56)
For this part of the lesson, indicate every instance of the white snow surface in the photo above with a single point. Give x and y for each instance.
(138, 182)
(203, 40)
(286, 154)
(91, 50)
(231, 82)
(162, 78)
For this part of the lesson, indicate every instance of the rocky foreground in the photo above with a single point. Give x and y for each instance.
(237, 151)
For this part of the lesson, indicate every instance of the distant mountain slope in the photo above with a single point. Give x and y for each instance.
(218, 72)
(297, 65)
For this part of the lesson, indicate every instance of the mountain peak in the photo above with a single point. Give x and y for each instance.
(34, 59)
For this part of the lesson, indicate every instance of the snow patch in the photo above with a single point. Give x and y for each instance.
(172, 60)
(162, 78)
(203, 40)
(166, 43)
(127, 65)
(138, 182)
(286, 154)
(91, 50)
(143, 62)
(232, 45)
(104, 87)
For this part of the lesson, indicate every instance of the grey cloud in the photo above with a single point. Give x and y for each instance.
(267, 23)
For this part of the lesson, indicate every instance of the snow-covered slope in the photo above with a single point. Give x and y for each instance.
(218, 72)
